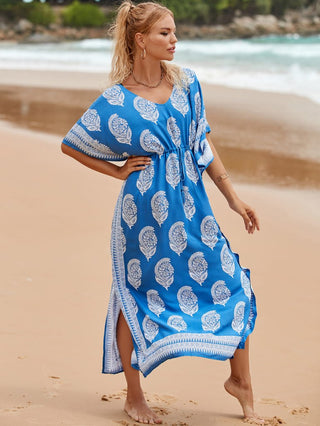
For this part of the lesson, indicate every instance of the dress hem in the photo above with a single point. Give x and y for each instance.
(176, 353)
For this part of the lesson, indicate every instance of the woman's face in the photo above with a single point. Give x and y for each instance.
(161, 40)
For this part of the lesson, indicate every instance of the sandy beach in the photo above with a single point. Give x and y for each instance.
(56, 268)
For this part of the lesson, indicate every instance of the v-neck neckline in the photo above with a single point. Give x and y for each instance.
(148, 100)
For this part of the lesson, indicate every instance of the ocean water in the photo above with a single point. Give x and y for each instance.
(286, 64)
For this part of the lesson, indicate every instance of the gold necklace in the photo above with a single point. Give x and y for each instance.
(151, 86)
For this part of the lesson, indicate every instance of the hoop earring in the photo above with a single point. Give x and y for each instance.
(143, 54)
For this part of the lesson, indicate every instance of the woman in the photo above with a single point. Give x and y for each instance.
(178, 289)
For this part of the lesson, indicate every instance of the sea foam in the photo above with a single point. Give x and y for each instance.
(283, 64)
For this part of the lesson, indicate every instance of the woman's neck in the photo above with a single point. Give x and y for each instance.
(146, 70)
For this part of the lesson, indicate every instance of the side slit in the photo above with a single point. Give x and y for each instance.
(127, 349)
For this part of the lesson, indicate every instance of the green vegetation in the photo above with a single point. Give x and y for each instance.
(13, 9)
(222, 11)
(279, 7)
(83, 15)
(37, 13)
(41, 14)
(190, 11)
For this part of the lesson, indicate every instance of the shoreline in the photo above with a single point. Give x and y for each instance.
(262, 137)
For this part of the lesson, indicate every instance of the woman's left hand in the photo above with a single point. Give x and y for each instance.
(249, 216)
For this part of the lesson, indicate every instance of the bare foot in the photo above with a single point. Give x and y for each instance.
(137, 408)
(243, 392)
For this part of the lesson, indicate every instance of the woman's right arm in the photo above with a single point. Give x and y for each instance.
(133, 163)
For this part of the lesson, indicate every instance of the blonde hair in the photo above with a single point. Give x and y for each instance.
(130, 20)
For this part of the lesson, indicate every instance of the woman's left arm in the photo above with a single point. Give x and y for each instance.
(218, 174)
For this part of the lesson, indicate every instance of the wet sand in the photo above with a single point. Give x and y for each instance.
(56, 277)
(261, 137)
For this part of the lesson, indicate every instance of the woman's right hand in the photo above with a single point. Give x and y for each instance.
(133, 164)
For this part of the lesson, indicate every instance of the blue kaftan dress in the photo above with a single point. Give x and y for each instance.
(179, 285)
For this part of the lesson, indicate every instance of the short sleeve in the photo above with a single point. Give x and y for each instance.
(89, 134)
(198, 137)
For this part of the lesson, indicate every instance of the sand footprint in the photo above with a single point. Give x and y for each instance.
(180, 424)
(300, 410)
(119, 395)
(15, 409)
(167, 399)
(268, 421)
(294, 411)
(53, 387)
(272, 401)
(106, 398)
